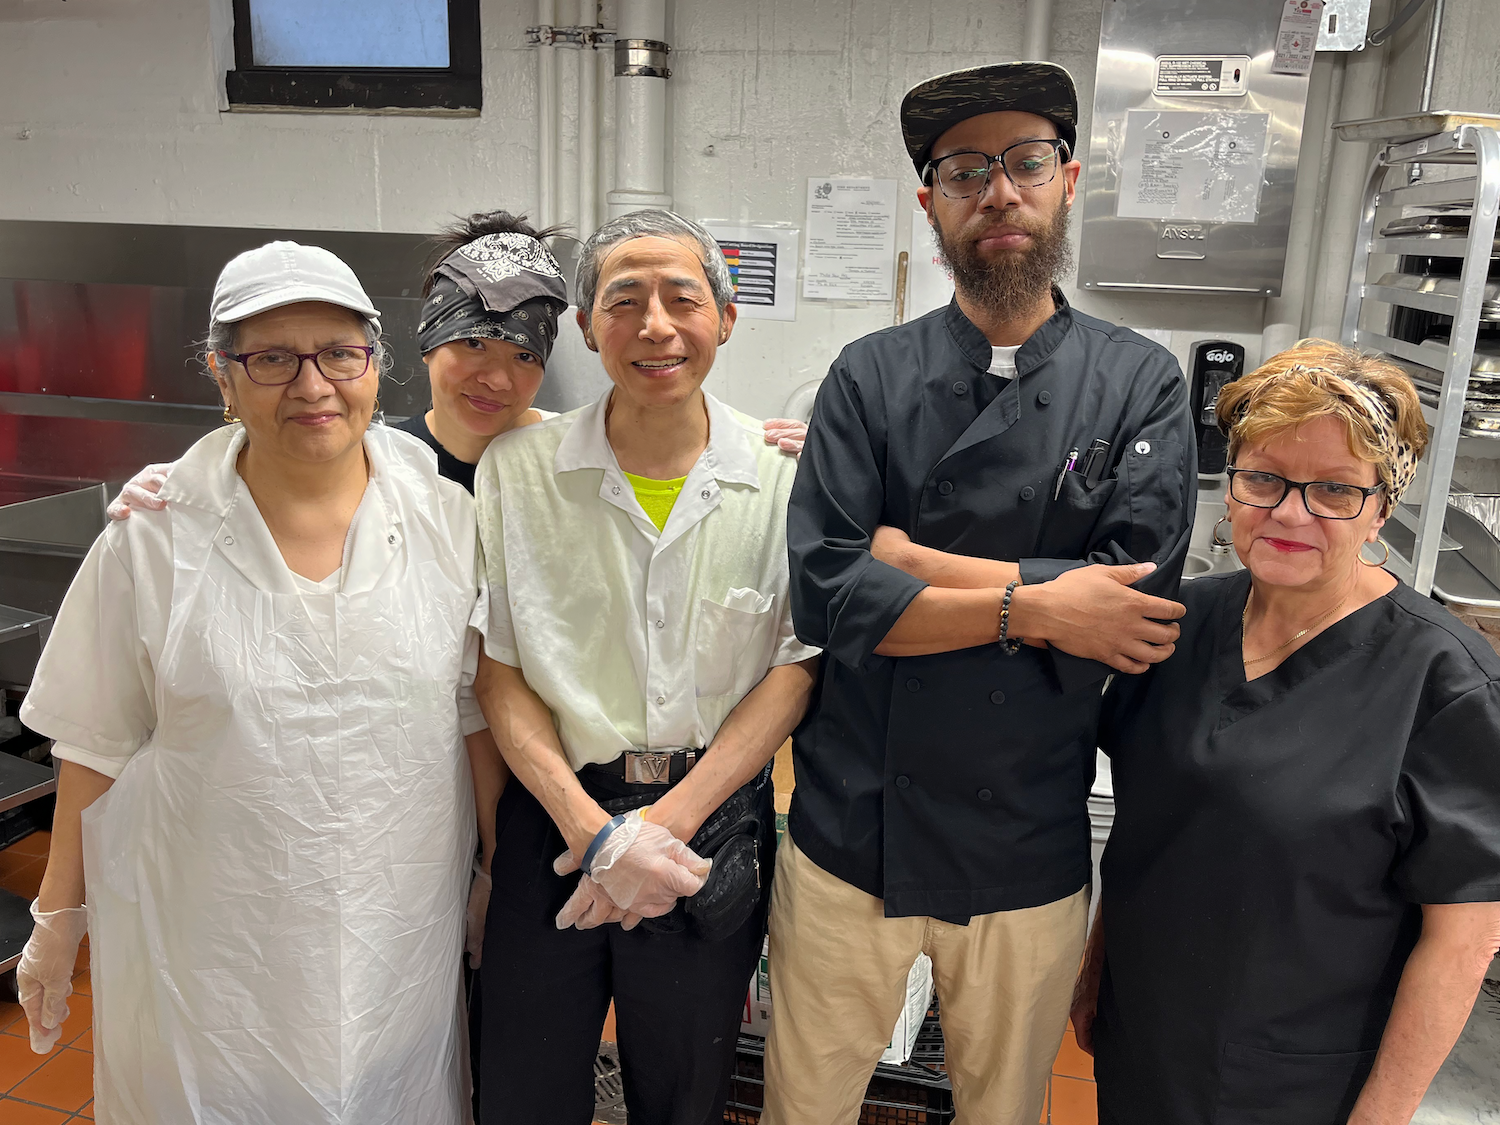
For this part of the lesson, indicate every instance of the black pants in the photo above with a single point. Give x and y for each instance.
(678, 999)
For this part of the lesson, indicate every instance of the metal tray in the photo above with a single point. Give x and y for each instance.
(1444, 286)
(1486, 366)
(1411, 126)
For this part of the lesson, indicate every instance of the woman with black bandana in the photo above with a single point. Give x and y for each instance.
(487, 328)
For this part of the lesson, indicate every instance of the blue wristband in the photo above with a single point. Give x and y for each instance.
(587, 864)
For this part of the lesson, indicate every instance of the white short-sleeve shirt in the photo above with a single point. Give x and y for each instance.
(634, 637)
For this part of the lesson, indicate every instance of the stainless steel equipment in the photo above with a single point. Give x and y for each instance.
(1443, 367)
(1186, 109)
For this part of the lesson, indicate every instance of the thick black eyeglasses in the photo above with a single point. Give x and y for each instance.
(275, 367)
(1328, 499)
(1029, 164)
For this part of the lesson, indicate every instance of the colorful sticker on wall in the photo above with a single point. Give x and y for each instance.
(762, 266)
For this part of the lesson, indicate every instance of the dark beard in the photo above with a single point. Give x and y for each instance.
(1013, 283)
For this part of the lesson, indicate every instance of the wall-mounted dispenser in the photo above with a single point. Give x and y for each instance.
(1192, 154)
(1216, 364)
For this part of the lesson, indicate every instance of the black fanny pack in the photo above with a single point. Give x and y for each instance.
(731, 838)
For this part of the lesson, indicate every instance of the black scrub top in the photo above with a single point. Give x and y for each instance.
(459, 472)
(956, 784)
(1271, 846)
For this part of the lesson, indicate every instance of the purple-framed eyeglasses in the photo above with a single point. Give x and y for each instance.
(275, 367)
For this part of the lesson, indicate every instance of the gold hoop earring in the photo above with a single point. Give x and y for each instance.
(1384, 559)
(229, 417)
(377, 406)
(1217, 542)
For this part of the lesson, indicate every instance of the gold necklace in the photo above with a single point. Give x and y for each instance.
(1245, 617)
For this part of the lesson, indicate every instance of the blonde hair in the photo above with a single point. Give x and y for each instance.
(1312, 380)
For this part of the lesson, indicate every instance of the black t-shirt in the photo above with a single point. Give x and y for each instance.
(1272, 843)
(460, 472)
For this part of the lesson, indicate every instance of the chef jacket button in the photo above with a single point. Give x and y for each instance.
(945, 487)
(661, 700)
(229, 540)
(913, 684)
(1028, 492)
(960, 388)
(704, 494)
(616, 490)
(1044, 397)
(1143, 447)
(390, 538)
(660, 624)
(902, 781)
(984, 794)
(997, 697)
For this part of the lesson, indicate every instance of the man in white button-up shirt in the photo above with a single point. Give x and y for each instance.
(639, 652)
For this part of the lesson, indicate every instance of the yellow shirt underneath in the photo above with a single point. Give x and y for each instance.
(656, 496)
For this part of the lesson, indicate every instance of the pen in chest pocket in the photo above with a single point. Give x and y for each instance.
(1067, 465)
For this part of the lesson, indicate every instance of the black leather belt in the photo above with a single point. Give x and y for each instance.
(651, 767)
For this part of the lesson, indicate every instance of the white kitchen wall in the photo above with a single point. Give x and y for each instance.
(111, 110)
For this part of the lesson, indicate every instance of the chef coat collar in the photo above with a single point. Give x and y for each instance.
(730, 457)
(978, 350)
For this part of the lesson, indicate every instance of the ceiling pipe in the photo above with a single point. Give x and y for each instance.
(546, 115)
(1036, 34)
(640, 107)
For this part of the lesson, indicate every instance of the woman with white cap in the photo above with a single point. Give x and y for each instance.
(258, 701)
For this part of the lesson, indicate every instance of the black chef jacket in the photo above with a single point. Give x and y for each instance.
(1271, 843)
(460, 472)
(956, 784)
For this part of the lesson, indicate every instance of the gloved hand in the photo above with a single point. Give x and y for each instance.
(643, 868)
(44, 976)
(590, 906)
(787, 433)
(139, 493)
(479, 906)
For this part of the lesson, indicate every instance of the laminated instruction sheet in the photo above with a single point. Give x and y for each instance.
(1192, 166)
(851, 238)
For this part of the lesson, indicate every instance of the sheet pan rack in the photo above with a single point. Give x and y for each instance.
(1458, 382)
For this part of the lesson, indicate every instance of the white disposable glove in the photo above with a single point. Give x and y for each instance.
(44, 976)
(642, 867)
(786, 433)
(589, 907)
(140, 493)
(479, 906)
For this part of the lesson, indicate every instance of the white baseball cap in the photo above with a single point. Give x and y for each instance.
(284, 273)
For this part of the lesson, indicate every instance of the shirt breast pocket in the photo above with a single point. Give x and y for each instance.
(734, 642)
(1072, 516)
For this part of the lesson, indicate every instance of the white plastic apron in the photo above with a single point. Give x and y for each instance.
(277, 878)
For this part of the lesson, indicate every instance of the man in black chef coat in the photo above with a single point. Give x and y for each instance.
(1001, 471)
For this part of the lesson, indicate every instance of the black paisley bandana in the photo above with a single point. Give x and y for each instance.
(499, 287)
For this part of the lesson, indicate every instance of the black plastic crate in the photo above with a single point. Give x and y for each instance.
(914, 1094)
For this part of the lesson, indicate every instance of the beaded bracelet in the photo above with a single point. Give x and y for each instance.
(1007, 645)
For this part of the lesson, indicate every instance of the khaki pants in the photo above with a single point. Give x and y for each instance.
(838, 981)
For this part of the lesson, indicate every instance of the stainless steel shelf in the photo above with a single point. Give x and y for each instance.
(18, 623)
(1429, 356)
(1426, 245)
(1411, 299)
(1436, 193)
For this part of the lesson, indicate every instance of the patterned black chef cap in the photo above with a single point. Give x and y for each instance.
(498, 287)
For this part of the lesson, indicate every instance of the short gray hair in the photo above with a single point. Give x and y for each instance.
(651, 224)
(221, 338)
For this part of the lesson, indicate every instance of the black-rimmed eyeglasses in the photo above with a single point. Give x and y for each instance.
(1329, 499)
(275, 367)
(1029, 164)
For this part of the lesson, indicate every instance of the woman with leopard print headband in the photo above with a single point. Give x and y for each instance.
(1302, 887)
